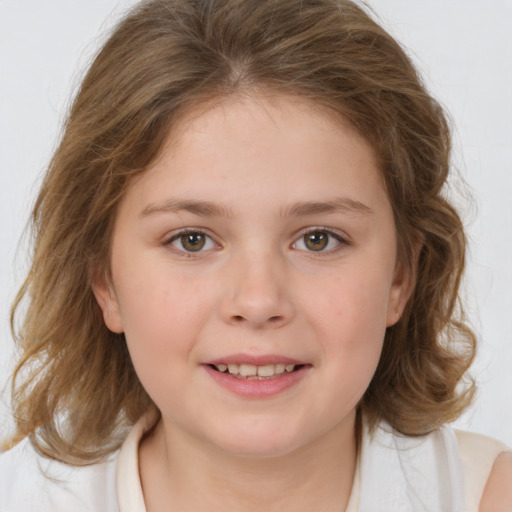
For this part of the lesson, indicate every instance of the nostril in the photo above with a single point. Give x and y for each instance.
(272, 319)
(238, 319)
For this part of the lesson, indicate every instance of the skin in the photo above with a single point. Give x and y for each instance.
(255, 288)
(497, 495)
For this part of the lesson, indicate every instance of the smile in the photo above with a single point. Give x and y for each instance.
(257, 377)
(254, 372)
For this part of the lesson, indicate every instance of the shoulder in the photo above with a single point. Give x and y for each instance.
(497, 495)
(31, 482)
(444, 470)
(487, 466)
(421, 473)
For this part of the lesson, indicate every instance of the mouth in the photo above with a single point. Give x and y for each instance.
(247, 371)
(257, 377)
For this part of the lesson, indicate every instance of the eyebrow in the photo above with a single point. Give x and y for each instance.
(201, 208)
(301, 208)
(338, 205)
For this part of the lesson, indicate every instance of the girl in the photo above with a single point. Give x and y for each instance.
(244, 287)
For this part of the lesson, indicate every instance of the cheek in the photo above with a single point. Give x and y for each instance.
(351, 307)
(350, 323)
(162, 315)
(161, 330)
(153, 296)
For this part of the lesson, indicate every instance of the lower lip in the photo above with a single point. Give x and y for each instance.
(254, 388)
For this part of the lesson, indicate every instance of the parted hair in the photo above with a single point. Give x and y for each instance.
(74, 389)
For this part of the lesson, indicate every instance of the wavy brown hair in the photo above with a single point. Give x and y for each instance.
(74, 388)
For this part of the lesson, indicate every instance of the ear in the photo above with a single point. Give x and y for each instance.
(106, 298)
(402, 287)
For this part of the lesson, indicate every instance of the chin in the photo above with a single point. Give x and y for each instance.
(260, 441)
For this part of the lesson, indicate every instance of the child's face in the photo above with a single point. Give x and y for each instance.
(289, 256)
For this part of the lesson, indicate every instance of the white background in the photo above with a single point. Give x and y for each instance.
(464, 51)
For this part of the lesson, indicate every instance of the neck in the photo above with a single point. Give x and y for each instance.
(186, 473)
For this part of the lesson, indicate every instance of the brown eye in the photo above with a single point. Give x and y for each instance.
(316, 240)
(189, 241)
(321, 240)
(192, 242)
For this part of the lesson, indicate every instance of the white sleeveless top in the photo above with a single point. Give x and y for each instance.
(444, 471)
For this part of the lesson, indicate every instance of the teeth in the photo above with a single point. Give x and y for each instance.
(266, 371)
(233, 368)
(247, 370)
(280, 368)
(250, 371)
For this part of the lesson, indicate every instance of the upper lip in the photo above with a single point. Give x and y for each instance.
(256, 360)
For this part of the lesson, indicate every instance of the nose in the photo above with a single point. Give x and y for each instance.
(257, 292)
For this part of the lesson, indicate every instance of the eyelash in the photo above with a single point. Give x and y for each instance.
(188, 231)
(340, 241)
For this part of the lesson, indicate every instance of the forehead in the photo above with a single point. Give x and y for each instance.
(262, 107)
(253, 148)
